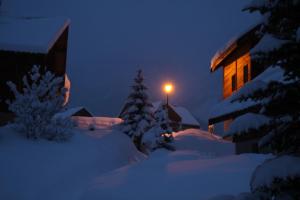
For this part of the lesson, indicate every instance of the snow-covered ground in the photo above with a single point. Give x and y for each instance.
(103, 164)
(34, 170)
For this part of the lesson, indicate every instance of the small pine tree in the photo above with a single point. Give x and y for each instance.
(137, 115)
(161, 134)
(163, 121)
(36, 105)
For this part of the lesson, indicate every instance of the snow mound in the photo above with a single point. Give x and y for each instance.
(282, 167)
(176, 175)
(203, 142)
(47, 170)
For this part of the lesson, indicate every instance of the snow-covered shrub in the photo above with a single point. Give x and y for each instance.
(59, 129)
(36, 104)
(137, 116)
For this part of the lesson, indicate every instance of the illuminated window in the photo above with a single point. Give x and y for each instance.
(233, 82)
(246, 74)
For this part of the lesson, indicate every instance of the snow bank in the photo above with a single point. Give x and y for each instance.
(203, 142)
(282, 167)
(247, 122)
(177, 175)
(46, 170)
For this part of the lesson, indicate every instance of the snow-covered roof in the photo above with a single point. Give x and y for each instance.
(227, 106)
(231, 46)
(33, 35)
(186, 116)
(69, 112)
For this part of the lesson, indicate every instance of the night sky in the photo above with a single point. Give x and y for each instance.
(171, 40)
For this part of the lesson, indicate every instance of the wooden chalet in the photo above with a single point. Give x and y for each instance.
(238, 69)
(25, 42)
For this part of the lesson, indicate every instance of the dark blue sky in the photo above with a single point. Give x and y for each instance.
(169, 39)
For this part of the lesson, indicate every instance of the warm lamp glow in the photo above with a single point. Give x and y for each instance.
(168, 88)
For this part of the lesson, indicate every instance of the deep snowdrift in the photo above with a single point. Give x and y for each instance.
(198, 169)
(101, 164)
(33, 170)
(177, 175)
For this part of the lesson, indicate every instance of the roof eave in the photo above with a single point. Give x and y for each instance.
(58, 34)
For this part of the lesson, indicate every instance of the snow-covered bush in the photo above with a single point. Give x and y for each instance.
(59, 129)
(137, 116)
(36, 104)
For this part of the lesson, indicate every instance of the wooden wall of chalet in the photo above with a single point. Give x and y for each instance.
(56, 59)
(235, 70)
(14, 65)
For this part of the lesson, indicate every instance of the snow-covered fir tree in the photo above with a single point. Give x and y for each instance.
(161, 134)
(163, 120)
(137, 116)
(279, 100)
(36, 105)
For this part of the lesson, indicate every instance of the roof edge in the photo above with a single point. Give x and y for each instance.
(220, 56)
(58, 34)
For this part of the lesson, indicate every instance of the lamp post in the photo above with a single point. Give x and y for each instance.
(168, 88)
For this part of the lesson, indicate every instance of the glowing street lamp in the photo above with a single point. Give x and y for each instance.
(168, 88)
